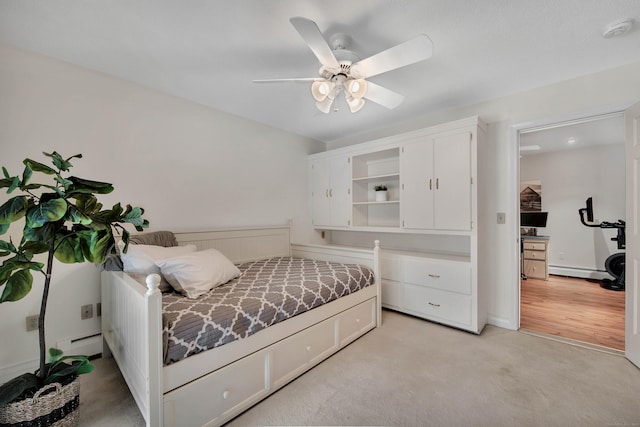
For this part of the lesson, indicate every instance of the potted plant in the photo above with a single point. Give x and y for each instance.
(381, 193)
(62, 219)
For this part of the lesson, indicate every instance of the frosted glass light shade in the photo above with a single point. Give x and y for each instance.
(357, 88)
(321, 90)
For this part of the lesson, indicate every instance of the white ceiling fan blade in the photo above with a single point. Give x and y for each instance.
(415, 50)
(313, 37)
(383, 96)
(292, 80)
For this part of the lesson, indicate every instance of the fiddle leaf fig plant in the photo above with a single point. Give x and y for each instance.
(64, 220)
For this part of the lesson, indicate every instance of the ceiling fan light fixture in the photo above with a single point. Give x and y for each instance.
(357, 87)
(355, 104)
(321, 90)
(325, 105)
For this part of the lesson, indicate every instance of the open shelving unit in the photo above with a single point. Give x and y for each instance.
(371, 170)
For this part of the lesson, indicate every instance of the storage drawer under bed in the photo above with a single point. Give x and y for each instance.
(236, 387)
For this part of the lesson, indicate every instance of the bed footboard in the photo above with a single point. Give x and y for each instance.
(132, 332)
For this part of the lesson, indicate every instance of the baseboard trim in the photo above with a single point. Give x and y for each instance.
(582, 273)
(501, 322)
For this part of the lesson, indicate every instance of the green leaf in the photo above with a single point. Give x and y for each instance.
(64, 182)
(7, 246)
(6, 182)
(41, 234)
(39, 167)
(26, 175)
(79, 365)
(49, 211)
(16, 387)
(14, 209)
(96, 245)
(88, 203)
(14, 184)
(17, 286)
(4, 228)
(35, 247)
(59, 162)
(69, 250)
(55, 354)
(6, 174)
(77, 217)
(86, 186)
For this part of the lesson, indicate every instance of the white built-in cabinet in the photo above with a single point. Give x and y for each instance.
(331, 191)
(436, 182)
(432, 182)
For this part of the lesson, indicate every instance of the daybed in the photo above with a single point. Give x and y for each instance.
(213, 386)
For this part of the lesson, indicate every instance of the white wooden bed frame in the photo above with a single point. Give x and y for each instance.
(214, 386)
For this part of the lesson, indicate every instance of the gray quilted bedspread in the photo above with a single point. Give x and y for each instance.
(268, 291)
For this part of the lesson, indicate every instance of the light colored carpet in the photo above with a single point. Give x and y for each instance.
(411, 372)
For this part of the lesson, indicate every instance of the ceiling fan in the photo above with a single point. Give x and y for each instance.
(343, 71)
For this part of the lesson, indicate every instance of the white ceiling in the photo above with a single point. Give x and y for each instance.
(209, 51)
(588, 132)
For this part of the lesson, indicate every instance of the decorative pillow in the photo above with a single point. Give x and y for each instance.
(142, 259)
(196, 273)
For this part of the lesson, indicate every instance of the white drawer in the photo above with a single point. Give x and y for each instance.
(439, 274)
(232, 388)
(300, 352)
(356, 320)
(439, 305)
(391, 294)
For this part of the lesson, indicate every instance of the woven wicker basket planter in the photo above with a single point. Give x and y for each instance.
(59, 408)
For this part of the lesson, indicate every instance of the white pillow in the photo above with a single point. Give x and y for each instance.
(142, 258)
(196, 273)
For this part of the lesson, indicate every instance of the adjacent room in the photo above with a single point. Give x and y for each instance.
(572, 284)
(301, 212)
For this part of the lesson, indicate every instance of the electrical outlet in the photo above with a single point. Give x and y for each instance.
(32, 323)
(86, 311)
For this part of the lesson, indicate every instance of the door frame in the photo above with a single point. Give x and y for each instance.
(513, 206)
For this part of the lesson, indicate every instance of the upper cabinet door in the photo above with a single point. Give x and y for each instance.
(331, 192)
(418, 185)
(452, 174)
(340, 192)
(320, 185)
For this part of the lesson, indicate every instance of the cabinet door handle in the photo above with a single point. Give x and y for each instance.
(430, 183)
(331, 192)
(437, 183)
(326, 193)
(435, 276)
(433, 304)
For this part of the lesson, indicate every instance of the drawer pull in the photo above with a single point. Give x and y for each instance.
(435, 276)
(434, 305)
(226, 394)
(308, 348)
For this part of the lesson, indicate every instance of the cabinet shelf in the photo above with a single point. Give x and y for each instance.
(378, 177)
(386, 202)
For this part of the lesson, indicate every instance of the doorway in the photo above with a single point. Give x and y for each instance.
(561, 165)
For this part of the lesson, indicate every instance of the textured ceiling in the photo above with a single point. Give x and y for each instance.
(210, 51)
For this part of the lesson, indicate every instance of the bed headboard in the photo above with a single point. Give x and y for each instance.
(242, 244)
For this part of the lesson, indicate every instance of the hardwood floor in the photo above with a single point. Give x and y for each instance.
(573, 308)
